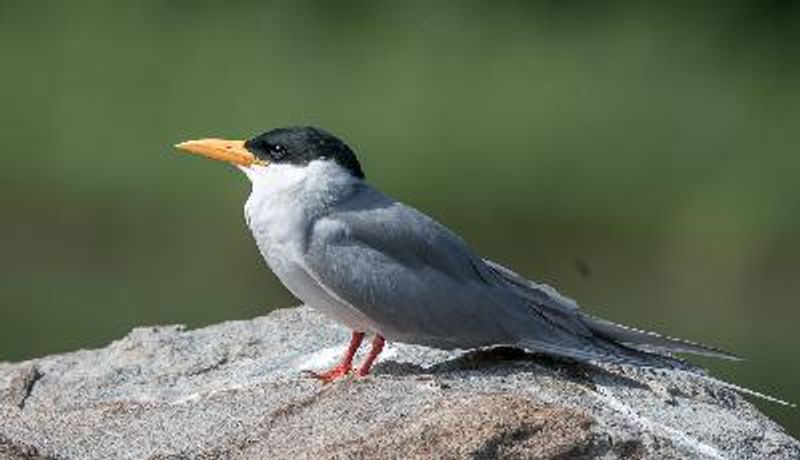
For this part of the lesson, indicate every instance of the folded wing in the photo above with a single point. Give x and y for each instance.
(421, 284)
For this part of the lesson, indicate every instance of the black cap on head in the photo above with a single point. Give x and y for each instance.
(301, 145)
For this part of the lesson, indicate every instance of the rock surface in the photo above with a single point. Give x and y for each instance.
(235, 390)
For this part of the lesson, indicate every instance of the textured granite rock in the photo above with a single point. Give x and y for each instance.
(235, 390)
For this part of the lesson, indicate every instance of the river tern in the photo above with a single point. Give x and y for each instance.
(386, 270)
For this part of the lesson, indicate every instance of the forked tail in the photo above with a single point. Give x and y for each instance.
(650, 340)
(653, 342)
(588, 338)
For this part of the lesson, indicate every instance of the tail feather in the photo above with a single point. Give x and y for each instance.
(558, 308)
(601, 340)
(605, 351)
(611, 353)
(747, 391)
(652, 341)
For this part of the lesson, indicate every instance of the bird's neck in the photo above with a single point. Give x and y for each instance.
(286, 199)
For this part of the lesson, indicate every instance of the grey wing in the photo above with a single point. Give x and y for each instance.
(405, 272)
(421, 284)
(556, 306)
(539, 293)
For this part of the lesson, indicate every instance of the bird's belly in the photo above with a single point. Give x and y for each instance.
(302, 284)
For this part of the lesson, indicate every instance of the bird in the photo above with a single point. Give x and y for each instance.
(385, 270)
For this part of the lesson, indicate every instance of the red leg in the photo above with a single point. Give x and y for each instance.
(345, 365)
(377, 347)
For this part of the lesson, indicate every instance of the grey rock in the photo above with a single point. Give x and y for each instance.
(236, 390)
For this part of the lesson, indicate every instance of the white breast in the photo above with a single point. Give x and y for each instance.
(283, 206)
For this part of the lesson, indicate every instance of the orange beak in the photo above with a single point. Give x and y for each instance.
(221, 150)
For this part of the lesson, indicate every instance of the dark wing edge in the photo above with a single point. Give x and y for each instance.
(547, 297)
(651, 340)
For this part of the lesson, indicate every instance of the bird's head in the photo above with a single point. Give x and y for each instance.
(293, 146)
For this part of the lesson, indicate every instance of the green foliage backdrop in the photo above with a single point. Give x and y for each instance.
(641, 157)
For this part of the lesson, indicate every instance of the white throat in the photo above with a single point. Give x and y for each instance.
(286, 199)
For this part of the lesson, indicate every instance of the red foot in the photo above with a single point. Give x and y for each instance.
(345, 366)
(331, 375)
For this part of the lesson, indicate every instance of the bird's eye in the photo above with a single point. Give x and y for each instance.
(277, 151)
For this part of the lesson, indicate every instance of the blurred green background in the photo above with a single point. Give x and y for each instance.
(642, 157)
